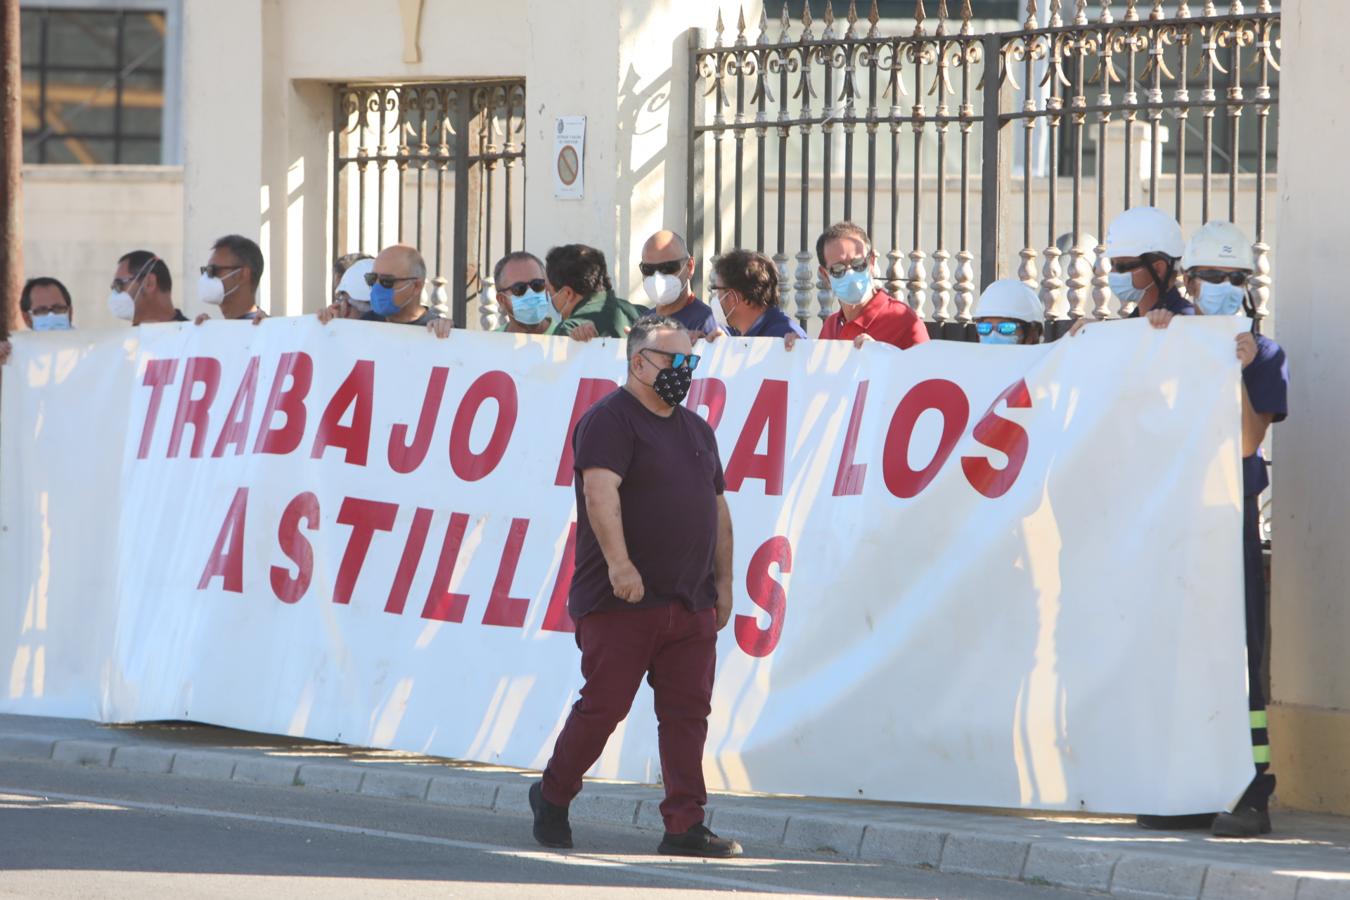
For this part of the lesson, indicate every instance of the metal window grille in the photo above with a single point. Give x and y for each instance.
(437, 165)
(959, 151)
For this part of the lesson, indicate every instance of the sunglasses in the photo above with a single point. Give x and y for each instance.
(386, 281)
(669, 267)
(1218, 276)
(1123, 267)
(840, 269)
(217, 271)
(677, 360)
(520, 287)
(1007, 329)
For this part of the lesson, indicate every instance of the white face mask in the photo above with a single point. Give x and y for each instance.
(210, 290)
(663, 289)
(122, 305)
(723, 316)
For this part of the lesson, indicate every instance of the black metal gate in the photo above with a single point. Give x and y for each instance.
(438, 165)
(1119, 104)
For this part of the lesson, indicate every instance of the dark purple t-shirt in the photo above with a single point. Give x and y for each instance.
(672, 477)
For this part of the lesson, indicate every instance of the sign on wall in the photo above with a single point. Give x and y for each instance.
(569, 157)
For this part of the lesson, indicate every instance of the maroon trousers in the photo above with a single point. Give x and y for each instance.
(677, 650)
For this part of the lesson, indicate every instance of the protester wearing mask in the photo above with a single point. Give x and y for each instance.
(866, 313)
(1218, 266)
(142, 290)
(522, 295)
(1144, 245)
(667, 275)
(1009, 312)
(745, 292)
(651, 586)
(396, 280)
(230, 280)
(351, 294)
(583, 296)
(45, 306)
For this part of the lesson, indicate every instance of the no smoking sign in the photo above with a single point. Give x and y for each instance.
(569, 154)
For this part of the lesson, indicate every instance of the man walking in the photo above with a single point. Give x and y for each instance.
(651, 587)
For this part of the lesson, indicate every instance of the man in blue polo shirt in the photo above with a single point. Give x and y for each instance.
(1218, 266)
(745, 290)
(667, 277)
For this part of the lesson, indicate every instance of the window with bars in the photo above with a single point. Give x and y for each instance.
(93, 85)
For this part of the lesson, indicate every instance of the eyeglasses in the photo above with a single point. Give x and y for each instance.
(48, 310)
(1219, 276)
(217, 271)
(120, 284)
(386, 281)
(1123, 267)
(677, 360)
(520, 287)
(669, 267)
(1007, 329)
(842, 268)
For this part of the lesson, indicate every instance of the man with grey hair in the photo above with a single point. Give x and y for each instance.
(396, 281)
(651, 586)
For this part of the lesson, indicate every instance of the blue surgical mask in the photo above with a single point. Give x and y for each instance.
(531, 308)
(1122, 285)
(1220, 299)
(382, 300)
(994, 337)
(52, 322)
(852, 287)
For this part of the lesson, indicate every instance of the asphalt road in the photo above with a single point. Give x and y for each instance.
(68, 831)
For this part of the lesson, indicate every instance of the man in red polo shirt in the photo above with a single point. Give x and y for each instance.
(866, 312)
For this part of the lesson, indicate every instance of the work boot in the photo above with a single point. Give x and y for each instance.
(1175, 823)
(699, 841)
(1251, 816)
(550, 821)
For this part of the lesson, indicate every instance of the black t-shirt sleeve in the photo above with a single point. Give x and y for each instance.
(603, 440)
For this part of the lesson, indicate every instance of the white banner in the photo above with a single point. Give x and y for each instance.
(964, 574)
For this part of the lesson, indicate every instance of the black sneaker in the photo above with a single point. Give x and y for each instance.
(1243, 822)
(1175, 823)
(550, 822)
(699, 841)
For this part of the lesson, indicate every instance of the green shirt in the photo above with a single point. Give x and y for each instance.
(610, 315)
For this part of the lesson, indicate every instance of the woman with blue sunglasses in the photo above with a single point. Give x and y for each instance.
(1009, 312)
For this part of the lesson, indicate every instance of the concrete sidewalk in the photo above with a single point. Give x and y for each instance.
(1307, 858)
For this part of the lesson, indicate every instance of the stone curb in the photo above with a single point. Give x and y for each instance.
(1033, 861)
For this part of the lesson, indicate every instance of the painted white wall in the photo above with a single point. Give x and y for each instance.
(78, 220)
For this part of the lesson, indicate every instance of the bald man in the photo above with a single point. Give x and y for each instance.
(667, 275)
(396, 282)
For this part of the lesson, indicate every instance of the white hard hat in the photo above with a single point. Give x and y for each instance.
(353, 282)
(1218, 244)
(1009, 298)
(1144, 229)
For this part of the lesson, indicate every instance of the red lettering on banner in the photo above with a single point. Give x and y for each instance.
(159, 374)
(407, 566)
(848, 481)
(768, 412)
(235, 429)
(288, 400)
(403, 456)
(357, 394)
(304, 508)
(366, 517)
(470, 466)
(1005, 436)
(503, 609)
(203, 370)
(442, 605)
(227, 556)
(941, 395)
(768, 595)
(556, 617)
(711, 394)
(589, 392)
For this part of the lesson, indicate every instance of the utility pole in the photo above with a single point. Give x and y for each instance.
(11, 162)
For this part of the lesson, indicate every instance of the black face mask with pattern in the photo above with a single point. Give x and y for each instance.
(672, 385)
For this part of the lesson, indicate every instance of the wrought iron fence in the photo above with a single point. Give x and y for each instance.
(916, 122)
(436, 165)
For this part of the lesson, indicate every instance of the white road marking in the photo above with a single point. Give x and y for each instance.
(10, 795)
